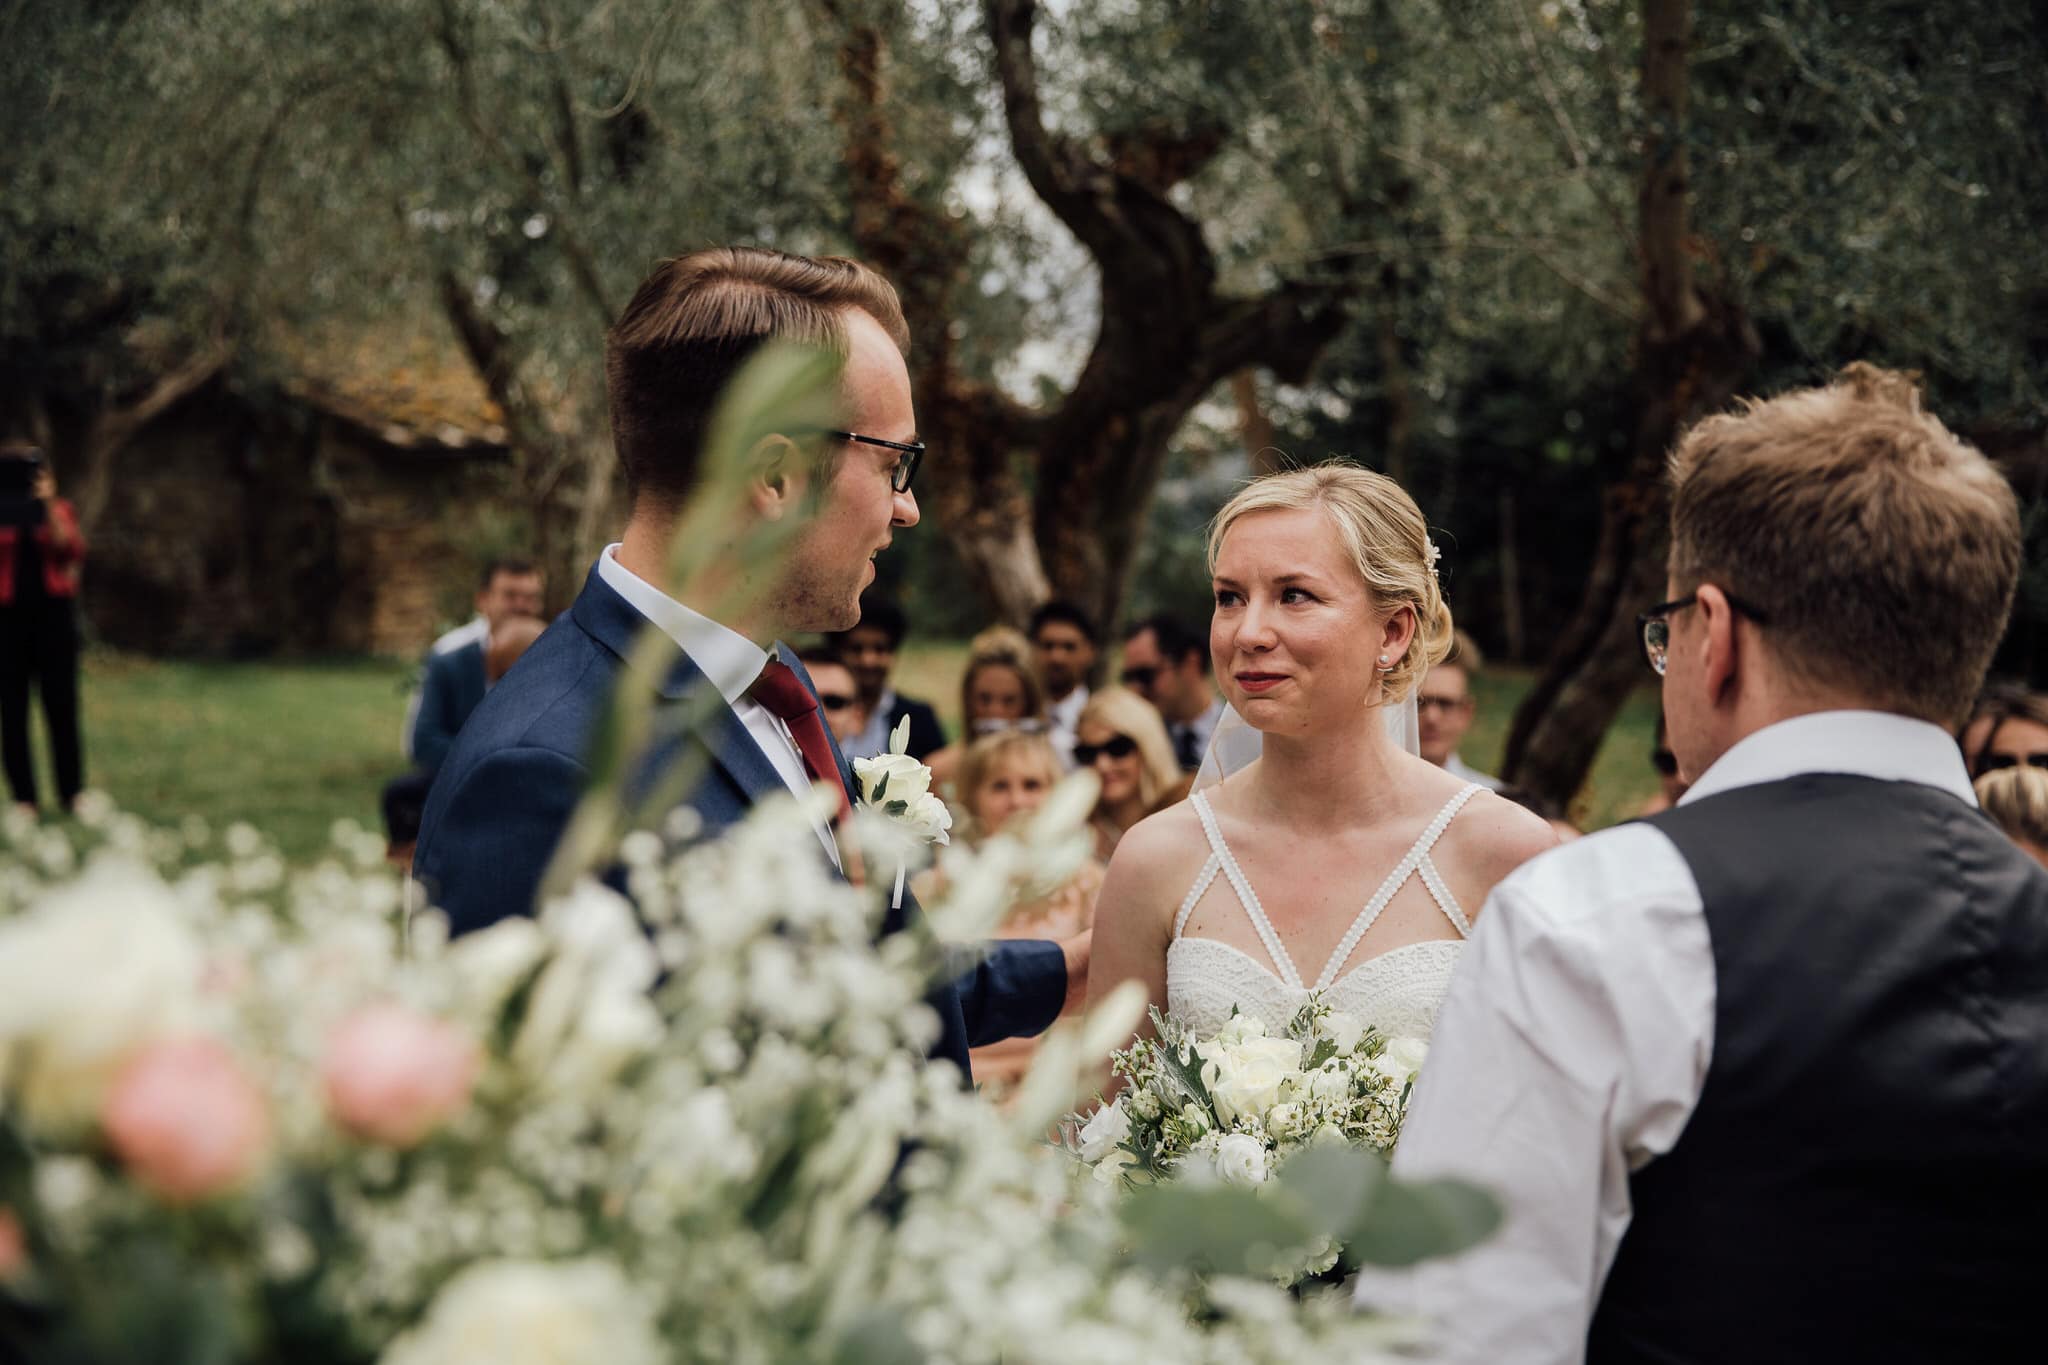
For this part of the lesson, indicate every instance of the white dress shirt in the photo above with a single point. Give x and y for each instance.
(1574, 1041)
(1061, 717)
(730, 662)
(873, 740)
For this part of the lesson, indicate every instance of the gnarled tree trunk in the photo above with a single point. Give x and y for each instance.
(1692, 352)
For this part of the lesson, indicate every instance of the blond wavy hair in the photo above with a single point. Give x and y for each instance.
(1387, 538)
(1122, 711)
(1001, 647)
(2016, 799)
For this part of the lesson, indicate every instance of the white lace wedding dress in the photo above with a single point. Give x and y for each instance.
(1397, 991)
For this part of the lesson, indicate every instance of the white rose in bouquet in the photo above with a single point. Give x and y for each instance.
(1247, 1079)
(1401, 1061)
(1241, 1159)
(1106, 1131)
(533, 1313)
(1240, 1027)
(1329, 1085)
(1342, 1029)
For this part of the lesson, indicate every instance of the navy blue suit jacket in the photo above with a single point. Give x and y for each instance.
(519, 767)
(453, 689)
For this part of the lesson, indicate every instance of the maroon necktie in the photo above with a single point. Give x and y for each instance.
(787, 699)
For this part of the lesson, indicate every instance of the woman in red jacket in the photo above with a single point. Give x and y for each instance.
(40, 553)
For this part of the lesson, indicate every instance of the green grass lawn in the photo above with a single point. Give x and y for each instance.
(293, 747)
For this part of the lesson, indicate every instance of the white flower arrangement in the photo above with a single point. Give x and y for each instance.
(901, 813)
(1235, 1107)
(702, 1132)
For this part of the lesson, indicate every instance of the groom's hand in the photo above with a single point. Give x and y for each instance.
(1076, 950)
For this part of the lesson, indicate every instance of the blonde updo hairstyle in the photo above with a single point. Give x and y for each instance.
(1388, 540)
(1001, 647)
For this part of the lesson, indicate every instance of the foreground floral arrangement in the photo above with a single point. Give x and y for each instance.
(252, 1113)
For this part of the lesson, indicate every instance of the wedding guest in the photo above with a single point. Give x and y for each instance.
(1167, 663)
(1121, 737)
(457, 681)
(510, 589)
(751, 730)
(2008, 726)
(1003, 778)
(1671, 784)
(1765, 1077)
(869, 650)
(838, 694)
(41, 552)
(2016, 799)
(1065, 640)
(1444, 707)
(998, 691)
(508, 643)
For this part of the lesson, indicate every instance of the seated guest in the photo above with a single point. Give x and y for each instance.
(2008, 726)
(2016, 799)
(1167, 663)
(456, 683)
(838, 695)
(1064, 639)
(511, 589)
(404, 799)
(1122, 738)
(1003, 777)
(998, 691)
(1444, 707)
(869, 652)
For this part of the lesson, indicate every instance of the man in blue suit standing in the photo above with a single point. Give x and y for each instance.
(519, 767)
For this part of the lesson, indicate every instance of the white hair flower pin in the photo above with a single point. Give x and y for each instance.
(1431, 552)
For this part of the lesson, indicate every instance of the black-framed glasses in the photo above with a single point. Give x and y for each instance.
(1653, 628)
(906, 468)
(1121, 746)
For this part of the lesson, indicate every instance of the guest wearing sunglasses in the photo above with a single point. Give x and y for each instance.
(1122, 739)
(838, 695)
(1167, 663)
(2008, 727)
(998, 691)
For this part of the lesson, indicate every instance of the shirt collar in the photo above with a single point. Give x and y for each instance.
(729, 659)
(1879, 744)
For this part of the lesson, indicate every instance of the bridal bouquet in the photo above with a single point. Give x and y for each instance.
(1235, 1105)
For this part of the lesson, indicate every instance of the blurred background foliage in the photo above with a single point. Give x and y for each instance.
(1414, 225)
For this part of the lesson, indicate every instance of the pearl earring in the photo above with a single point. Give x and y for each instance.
(1384, 663)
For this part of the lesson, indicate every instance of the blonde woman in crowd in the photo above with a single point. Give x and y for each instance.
(1002, 778)
(999, 690)
(1121, 737)
(2016, 799)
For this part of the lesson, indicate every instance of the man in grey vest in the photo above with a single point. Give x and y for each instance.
(1765, 1077)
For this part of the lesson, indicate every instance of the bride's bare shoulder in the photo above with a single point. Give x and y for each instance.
(1163, 841)
(1492, 837)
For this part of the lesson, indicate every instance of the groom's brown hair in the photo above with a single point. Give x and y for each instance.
(1882, 549)
(694, 322)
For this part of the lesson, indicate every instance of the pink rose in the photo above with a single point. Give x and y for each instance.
(394, 1075)
(13, 1245)
(185, 1120)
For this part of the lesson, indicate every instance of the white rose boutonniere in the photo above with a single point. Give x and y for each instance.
(898, 788)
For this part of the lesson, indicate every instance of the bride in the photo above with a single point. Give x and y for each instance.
(1337, 862)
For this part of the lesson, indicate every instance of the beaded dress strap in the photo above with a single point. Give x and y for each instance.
(1417, 858)
(1196, 892)
(1245, 895)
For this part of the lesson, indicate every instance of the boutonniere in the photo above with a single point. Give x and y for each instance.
(897, 789)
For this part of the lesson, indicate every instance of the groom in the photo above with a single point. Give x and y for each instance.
(506, 792)
(1765, 1078)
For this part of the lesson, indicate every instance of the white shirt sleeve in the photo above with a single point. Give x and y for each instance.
(1570, 1050)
